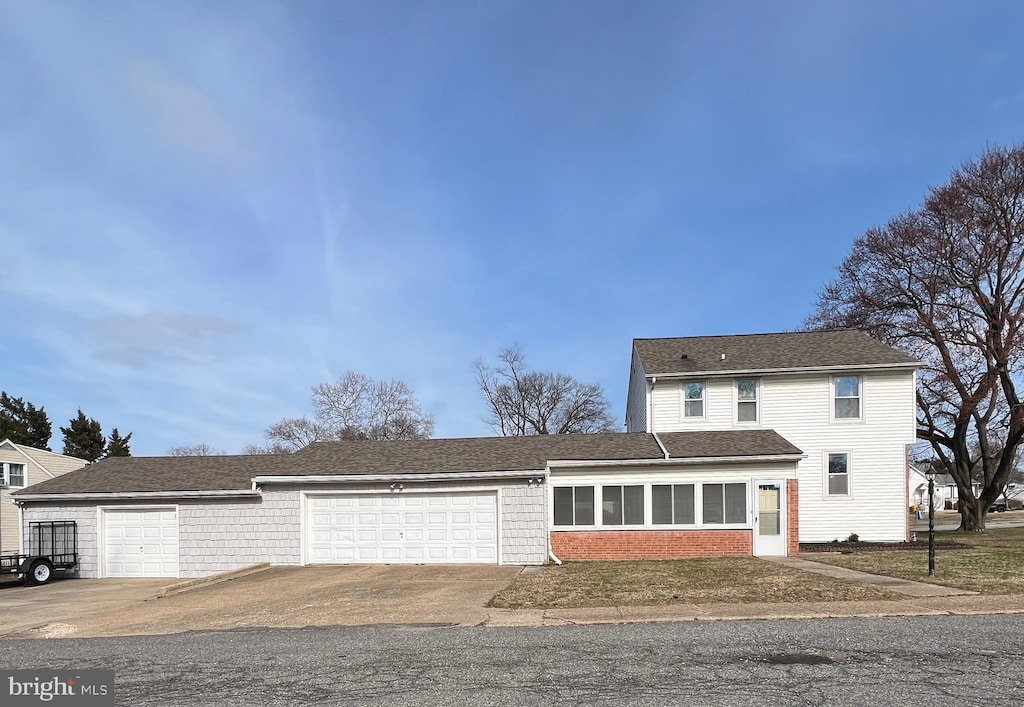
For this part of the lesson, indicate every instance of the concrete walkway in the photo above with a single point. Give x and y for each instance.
(893, 584)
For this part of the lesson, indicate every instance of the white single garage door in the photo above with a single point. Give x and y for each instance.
(140, 543)
(403, 528)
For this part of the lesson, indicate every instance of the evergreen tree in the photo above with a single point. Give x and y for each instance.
(83, 438)
(117, 446)
(24, 423)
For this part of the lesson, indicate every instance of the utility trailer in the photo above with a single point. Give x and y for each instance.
(52, 546)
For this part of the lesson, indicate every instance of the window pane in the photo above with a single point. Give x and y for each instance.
(747, 412)
(746, 389)
(838, 485)
(17, 474)
(735, 503)
(837, 463)
(847, 408)
(584, 505)
(712, 503)
(611, 505)
(694, 408)
(694, 391)
(768, 523)
(684, 504)
(563, 505)
(848, 386)
(633, 505)
(661, 505)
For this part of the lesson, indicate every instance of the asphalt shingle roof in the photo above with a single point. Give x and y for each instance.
(468, 455)
(728, 443)
(765, 352)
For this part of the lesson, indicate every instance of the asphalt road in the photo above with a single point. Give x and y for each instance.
(905, 661)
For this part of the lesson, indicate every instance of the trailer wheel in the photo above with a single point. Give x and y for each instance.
(41, 571)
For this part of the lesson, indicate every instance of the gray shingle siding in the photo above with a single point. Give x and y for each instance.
(524, 534)
(219, 535)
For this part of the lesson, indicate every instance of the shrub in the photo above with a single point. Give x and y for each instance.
(854, 538)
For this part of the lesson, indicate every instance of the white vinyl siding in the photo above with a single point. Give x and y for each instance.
(800, 408)
(636, 397)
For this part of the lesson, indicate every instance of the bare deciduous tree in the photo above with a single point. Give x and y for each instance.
(355, 407)
(945, 283)
(196, 450)
(523, 402)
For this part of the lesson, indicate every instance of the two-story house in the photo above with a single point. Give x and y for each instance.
(844, 399)
(736, 445)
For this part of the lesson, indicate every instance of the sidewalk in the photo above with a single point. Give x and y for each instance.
(923, 600)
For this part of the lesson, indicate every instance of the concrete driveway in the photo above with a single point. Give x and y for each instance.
(61, 603)
(304, 596)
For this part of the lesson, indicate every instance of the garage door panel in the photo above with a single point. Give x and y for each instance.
(140, 543)
(397, 528)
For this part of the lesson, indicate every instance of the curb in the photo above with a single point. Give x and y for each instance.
(191, 584)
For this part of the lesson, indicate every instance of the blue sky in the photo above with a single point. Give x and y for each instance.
(205, 209)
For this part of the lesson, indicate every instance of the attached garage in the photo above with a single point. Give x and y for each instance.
(402, 528)
(139, 542)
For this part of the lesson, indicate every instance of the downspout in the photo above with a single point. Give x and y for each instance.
(547, 510)
(650, 417)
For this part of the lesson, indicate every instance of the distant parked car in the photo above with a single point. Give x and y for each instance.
(999, 506)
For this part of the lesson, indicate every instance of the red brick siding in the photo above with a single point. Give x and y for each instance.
(792, 517)
(650, 544)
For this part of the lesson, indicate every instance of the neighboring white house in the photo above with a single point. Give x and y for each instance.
(22, 466)
(844, 399)
(945, 488)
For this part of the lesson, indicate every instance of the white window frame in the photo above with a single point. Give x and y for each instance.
(645, 488)
(698, 504)
(703, 401)
(832, 398)
(737, 401)
(6, 475)
(849, 474)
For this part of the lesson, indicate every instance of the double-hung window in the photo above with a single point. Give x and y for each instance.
(838, 473)
(846, 397)
(574, 505)
(13, 475)
(724, 503)
(746, 400)
(622, 505)
(693, 399)
(672, 504)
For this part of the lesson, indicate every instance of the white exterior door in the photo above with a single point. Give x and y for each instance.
(769, 518)
(403, 528)
(140, 542)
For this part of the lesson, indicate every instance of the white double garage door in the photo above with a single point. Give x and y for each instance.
(402, 528)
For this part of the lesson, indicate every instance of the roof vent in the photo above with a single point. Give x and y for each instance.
(683, 357)
(723, 357)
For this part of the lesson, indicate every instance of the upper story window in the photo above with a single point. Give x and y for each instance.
(693, 399)
(13, 474)
(746, 400)
(846, 397)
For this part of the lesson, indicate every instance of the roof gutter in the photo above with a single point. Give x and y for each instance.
(688, 461)
(913, 365)
(396, 476)
(221, 493)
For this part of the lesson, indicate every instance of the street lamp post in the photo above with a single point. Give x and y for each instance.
(931, 522)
